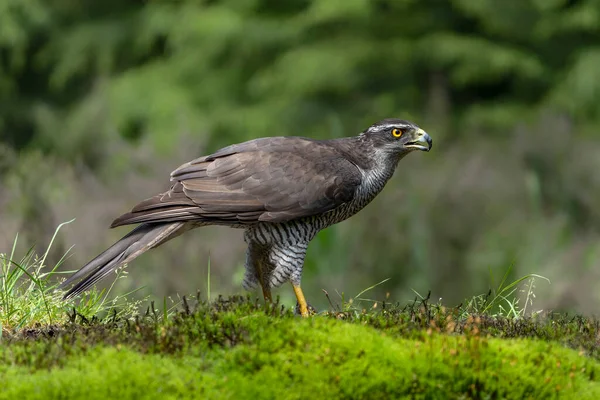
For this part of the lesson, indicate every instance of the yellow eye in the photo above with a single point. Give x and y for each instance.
(396, 132)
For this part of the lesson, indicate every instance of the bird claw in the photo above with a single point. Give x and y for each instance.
(311, 310)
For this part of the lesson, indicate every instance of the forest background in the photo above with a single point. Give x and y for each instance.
(100, 101)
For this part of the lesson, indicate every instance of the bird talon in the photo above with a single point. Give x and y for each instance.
(310, 310)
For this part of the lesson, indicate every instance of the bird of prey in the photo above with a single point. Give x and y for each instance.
(280, 190)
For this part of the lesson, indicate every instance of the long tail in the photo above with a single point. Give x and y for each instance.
(136, 242)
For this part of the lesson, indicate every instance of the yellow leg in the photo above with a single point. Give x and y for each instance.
(301, 301)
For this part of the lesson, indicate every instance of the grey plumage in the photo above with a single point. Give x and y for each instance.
(282, 191)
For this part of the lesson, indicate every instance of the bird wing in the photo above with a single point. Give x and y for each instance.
(270, 179)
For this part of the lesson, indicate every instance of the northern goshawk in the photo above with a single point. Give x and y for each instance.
(280, 190)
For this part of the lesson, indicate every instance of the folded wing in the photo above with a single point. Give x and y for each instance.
(270, 179)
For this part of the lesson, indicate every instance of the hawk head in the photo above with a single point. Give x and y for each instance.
(398, 136)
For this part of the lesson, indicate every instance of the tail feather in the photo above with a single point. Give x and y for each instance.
(132, 245)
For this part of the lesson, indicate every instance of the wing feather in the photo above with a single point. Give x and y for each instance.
(269, 179)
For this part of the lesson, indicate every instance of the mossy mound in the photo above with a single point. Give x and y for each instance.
(245, 351)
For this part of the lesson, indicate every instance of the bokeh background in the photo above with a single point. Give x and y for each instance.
(101, 100)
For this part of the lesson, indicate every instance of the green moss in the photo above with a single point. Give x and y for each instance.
(269, 357)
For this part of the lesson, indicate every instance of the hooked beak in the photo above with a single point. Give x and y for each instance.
(422, 141)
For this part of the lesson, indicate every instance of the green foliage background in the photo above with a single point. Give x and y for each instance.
(99, 101)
